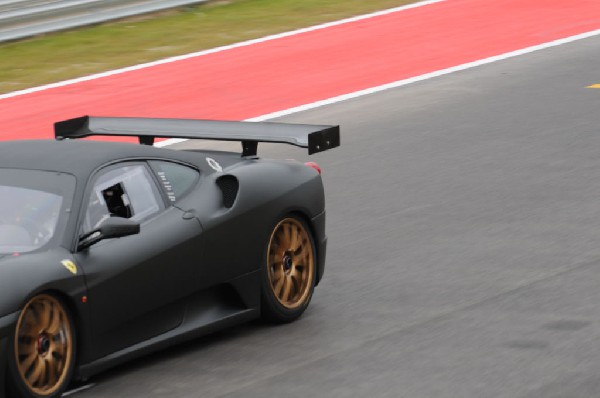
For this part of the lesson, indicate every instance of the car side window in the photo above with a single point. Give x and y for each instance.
(175, 178)
(126, 191)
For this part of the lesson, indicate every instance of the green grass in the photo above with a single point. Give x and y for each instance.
(81, 52)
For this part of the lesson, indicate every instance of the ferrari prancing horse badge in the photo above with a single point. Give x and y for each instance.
(70, 265)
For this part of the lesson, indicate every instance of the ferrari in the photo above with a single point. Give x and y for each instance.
(113, 250)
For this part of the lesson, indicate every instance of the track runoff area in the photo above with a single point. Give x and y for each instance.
(294, 71)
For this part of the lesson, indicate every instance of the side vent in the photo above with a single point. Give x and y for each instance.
(229, 187)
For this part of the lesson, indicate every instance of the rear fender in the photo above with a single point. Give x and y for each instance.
(268, 190)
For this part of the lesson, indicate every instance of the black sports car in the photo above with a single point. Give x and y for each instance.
(112, 250)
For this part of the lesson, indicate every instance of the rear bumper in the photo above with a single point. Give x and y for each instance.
(318, 224)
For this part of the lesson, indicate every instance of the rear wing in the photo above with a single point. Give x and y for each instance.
(314, 137)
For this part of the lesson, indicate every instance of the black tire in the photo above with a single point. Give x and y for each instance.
(42, 352)
(289, 270)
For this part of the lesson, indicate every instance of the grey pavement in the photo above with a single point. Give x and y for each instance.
(464, 258)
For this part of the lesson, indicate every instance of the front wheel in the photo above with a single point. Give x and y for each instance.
(41, 361)
(289, 274)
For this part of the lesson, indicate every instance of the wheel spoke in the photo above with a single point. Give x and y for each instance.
(34, 310)
(38, 371)
(300, 247)
(302, 259)
(53, 372)
(282, 238)
(288, 232)
(294, 239)
(26, 339)
(278, 274)
(58, 345)
(301, 274)
(46, 312)
(29, 360)
(294, 271)
(298, 259)
(296, 282)
(58, 356)
(30, 324)
(45, 380)
(27, 348)
(55, 324)
(287, 287)
(279, 285)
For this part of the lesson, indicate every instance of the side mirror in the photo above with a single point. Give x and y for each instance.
(113, 227)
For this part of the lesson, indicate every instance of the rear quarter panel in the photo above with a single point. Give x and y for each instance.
(235, 239)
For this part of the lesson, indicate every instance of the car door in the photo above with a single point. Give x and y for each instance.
(137, 284)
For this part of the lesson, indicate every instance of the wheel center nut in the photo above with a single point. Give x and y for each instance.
(287, 263)
(43, 344)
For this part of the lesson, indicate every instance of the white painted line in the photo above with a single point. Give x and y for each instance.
(77, 390)
(404, 82)
(426, 76)
(218, 49)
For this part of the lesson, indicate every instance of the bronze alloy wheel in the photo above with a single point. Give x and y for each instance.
(43, 345)
(291, 263)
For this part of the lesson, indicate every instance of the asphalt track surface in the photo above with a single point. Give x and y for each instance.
(464, 260)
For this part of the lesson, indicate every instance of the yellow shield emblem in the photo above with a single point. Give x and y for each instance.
(70, 265)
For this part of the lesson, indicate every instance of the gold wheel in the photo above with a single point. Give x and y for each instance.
(291, 263)
(43, 345)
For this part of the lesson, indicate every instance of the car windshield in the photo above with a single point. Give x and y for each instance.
(33, 208)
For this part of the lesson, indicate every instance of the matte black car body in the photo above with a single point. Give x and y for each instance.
(192, 269)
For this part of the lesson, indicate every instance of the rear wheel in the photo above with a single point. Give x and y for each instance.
(43, 349)
(289, 272)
